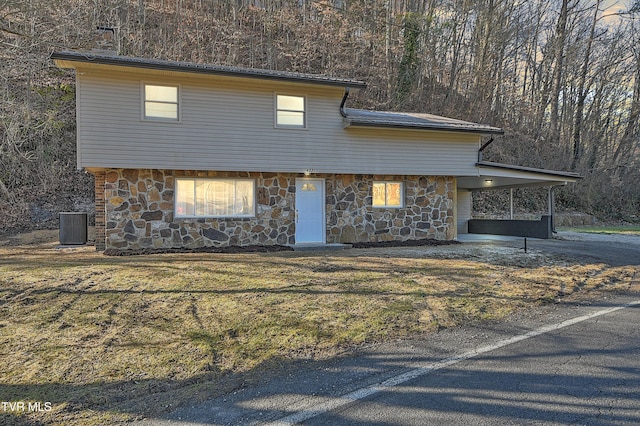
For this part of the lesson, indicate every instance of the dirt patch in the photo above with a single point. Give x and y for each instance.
(271, 248)
(407, 243)
(39, 237)
(227, 249)
(28, 238)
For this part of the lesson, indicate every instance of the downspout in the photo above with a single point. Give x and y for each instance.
(483, 147)
(344, 101)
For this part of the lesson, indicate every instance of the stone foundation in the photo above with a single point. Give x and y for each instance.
(428, 211)
(139, 211)
(100, 222)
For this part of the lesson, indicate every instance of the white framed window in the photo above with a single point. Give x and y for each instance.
(195, 197)
(291, 111)
(160, 102)
(387, 194)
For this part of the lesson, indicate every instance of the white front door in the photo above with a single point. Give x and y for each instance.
(310, 211)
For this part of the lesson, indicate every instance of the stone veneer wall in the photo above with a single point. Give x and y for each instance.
(100, 222)
(428, 211)
(139, 211)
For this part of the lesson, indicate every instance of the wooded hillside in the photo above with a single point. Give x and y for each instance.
(562, 77)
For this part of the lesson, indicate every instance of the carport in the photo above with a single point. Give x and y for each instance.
(497, 176)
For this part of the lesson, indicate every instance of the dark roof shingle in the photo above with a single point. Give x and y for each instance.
(158, 64)
(412, 120)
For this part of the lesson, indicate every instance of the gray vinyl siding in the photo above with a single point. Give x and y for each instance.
(227, 124)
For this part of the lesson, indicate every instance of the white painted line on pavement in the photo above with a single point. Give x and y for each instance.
(422, 369)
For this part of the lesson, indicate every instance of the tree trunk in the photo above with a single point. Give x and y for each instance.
(387, 49)
(627, 142)
(582, 93)
(561, 35)
(4, 193)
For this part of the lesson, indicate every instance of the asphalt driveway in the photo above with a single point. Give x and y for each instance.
(612, 249)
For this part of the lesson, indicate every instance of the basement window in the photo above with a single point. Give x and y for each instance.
(387, 194)
(215, 197)
(161, 103)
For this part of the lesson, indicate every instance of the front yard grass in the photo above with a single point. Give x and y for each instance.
(110, 339)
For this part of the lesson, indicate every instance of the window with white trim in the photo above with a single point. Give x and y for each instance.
(387, 194)
(161, 103)
(214, 197)
(291, 111)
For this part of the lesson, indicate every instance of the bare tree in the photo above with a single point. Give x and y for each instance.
(564, 82)
(582, 91)
(556, 88)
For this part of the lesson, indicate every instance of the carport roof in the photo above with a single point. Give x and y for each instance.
(493, 176)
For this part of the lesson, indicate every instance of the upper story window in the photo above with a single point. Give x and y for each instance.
(214, 197)
(291, 111)
(161, 103)
(387, 194)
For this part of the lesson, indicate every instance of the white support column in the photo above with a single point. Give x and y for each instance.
(552, 208)
(511, 203)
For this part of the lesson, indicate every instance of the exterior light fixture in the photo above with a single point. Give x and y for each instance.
(308, 172)
(488, 181)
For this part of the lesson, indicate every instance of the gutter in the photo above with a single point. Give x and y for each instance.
(419, 126)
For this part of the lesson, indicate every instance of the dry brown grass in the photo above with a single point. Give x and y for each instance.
(105, 339)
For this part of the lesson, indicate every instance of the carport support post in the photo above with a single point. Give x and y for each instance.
(511, 203)
(552, 208)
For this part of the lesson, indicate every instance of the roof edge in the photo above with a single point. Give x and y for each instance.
(503, 166)
(191, 67)
(442, 128)
(409, 120)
